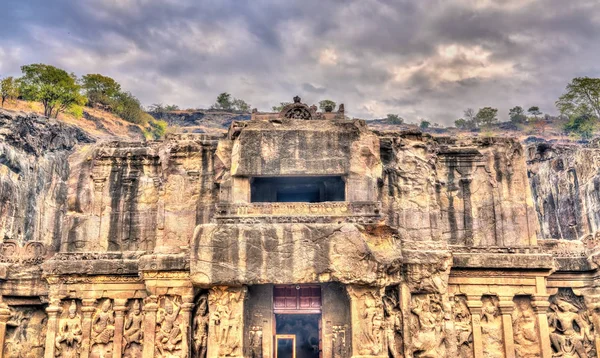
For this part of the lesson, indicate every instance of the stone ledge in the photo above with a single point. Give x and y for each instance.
(503, 261)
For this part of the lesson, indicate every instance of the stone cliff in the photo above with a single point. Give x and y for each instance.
(402, 244)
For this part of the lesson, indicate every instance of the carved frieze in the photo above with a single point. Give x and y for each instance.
(169, 330)
(525, 329)
(133, 330)
(491, 328)
(426, 325)
(31, 253)
(103, 330)
(69, 335)
(571, 331)
(225, 322)
(26, 332)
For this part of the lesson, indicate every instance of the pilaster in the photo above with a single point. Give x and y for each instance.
(186, 315)
(120, 307)
(475, 306)
(540, 306)
(506, 306)
(150, 308)
(88, 307)
(4, 316)
(53, 310)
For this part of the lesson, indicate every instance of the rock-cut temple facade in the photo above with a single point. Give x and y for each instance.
(299, 234)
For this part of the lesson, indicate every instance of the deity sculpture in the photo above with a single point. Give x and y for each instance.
(429, 338)
(463, 328)
(525, 329)
(201, 327)
(103, 327)
(168, 335)
(569, 329)
(372, 322)
(132, 329)
(69, 336)
(256, 342)
(491, 328)
(392, 325)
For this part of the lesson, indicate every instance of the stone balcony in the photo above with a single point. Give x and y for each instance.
(366, 212)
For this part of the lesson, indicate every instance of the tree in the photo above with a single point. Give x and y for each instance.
(129, 108)
(100, 90)
(224, 101)
(54, 87)
(486, 116)
(517, 114)
(424, 124)
(327, 105)
(583, 125)
(280, 107)
(171, 107)
(9, 89)
(241, 105)
(534, 111)
(469, 120)
(394, 119)
(582, 97)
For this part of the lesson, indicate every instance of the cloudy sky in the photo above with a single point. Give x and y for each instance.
(421, 59)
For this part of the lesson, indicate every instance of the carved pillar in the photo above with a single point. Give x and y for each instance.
(186, 314)
(120, 307)
(540, 305)
(53, 310)
(225, 336)
(474, 303)
(88, 307)
(4, 316)
(150, 308)
(506, 306)
(366, 310)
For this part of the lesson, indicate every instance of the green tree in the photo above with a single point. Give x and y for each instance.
(280, 107)
(241, 105)
(171, 107)
(394, 119)
(486, 116)
(100, 90)
(424, 124)
(9, 89)
(468, 121)
(54, 87)
(224, 101)
(129, 108)
(517, 114)
(582, 96)
(327, 105)
(583, 125)
(534, 111)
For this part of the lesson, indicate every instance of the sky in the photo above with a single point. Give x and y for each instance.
(425, 59)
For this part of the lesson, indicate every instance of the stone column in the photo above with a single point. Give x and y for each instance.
(88, 307)
(540, 305)
(53, 310)
(366, 310)
(120, 307)
(4, 316)
(506, 306)
(474, 303)
(186, 323)
(150, 308)
(226, 336)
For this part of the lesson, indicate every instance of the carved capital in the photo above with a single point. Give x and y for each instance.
(506, 306)
(474, 303)
(540, 303)
(150, 304)
(120, 306)
(88, 306)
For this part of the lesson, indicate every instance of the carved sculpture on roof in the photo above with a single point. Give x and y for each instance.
(70, 334)
(570, 330)
(133, 332)
(296, 110)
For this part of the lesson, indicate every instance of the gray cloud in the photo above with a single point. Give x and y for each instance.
(426, 59)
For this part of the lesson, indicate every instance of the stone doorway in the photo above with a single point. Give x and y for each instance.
(298, 335)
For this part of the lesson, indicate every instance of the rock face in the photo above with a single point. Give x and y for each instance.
(296, 231)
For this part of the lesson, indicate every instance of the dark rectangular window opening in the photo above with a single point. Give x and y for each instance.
(297, 189)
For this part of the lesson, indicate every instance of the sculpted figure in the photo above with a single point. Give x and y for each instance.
(429, 337)
(392, 326)
(569, 330)
(371, 322)
(225, 320)
(168, 335)
(201, 328)
(256, 342)
(463, 328)
(132, 328)
(69, 335)
(103, 325)
(491, 328)
(525, 330)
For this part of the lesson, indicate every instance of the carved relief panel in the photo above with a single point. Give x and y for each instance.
(525, 330)
(225, 321)
(367, 320)
(426, 325)
(26, 332)
(571, 331)
(491, 328)
(69, 334)
(392, 323)
(103, 330)
(133, 330)
(338, 345)
(200, 327)
(463, 329)
(169, 328)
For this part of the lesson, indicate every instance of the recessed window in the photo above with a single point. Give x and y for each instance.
(297, 189)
